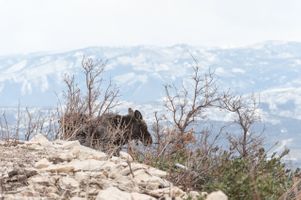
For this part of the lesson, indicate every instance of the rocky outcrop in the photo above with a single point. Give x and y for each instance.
(40, 169)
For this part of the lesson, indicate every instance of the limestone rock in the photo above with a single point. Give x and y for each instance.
(138, 196)
(125, 183)
(218, 195)
(62, 157)
(43, 163)
(194, 195)
(40, 139)
(68, 182)
(113, 193)
(69, 144)
(173, 192)
(91, 165)
(83, 153)
(78, 198)
(125, 156)
(157, 172)
(60, 168)
(40, 180)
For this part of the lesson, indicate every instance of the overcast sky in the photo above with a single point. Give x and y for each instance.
(46, 25)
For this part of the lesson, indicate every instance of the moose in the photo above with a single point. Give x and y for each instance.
(107, 132)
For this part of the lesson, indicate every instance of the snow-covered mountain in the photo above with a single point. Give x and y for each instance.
(271, 69)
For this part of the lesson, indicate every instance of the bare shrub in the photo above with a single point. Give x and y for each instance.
(189, 103)
(36, 121)
(7, 133)
(80, 108)
(195, 158)
(27, 123)
(188, 154)
(88, 115)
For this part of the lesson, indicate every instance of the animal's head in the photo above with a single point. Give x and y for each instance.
(139, 128)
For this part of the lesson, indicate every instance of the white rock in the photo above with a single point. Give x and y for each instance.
(143, 178)
(116, 159)
(123, 164)
(77, 198)
(156, 182)
(204, 194)
(114, 170)
(81, 176)
(42, 163)
(126, 184)
(70, 144)
(125, 156)
(194, 195)
(156, 172)
(218, 195)
(91, 165)
(113, 193)
(68, 183)
(138, 196)
(83, 153)
(133, 167)
(168, 192)
(40, 180)
(34, 146)
(141, 175)
(40, 139)
(62, 157)
(60, 168)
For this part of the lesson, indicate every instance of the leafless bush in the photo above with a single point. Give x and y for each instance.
(77, 119)
(40, 122)
(28, 122)
(7, 133)
(246, 115)
(191, 153)
(188, 103)
(10, 133)
(188, 154)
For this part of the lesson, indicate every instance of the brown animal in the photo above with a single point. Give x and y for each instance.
(112, 131)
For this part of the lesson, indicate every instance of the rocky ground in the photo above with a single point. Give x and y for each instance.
(40, 169)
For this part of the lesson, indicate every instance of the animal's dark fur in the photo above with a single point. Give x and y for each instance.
(113, 129)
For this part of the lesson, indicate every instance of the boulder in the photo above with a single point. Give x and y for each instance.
(113, 193)
(195, 195)
(125, 183)
(172, 192)
(138, 196)
(156, 172)
(68, 144)
(91, 165)
(43, 163)
(40, 139)
(60, 168)
(61, 157)
(218, 195)
(83, 153)
(68, 183)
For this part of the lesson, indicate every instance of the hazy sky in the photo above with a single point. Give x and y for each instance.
(43, 25)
